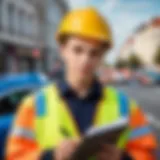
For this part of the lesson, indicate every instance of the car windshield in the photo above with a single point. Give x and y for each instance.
(9, 104)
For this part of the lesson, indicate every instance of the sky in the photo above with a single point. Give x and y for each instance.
(124, 17)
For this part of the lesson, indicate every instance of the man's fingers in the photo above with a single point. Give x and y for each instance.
(67, 145)
(58, 155)
(66, 148)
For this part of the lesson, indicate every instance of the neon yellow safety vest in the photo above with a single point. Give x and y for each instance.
(54, 121)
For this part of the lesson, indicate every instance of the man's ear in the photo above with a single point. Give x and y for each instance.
(62, 47)
(62, 51)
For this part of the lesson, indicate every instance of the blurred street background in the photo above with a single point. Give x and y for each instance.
(29, 55)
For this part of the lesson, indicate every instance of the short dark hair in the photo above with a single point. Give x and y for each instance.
(62, 39)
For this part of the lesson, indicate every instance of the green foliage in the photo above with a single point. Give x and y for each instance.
(134, 62)
(157, 57)
(121, 64)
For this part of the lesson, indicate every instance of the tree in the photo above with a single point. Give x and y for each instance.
(134, 62)
(121, 64)
(157, 57)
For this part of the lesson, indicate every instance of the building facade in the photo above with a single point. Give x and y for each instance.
(144, 44)
(27, 34)
(20, 45)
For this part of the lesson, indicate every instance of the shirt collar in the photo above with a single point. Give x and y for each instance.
(94, 92)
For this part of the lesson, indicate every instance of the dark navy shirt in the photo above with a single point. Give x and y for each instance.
(82, 109)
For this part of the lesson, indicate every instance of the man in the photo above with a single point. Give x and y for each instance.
(50, 123)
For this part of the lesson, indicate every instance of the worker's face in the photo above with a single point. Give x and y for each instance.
(82, 56)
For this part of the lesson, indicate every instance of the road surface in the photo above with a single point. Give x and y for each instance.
(149, 98)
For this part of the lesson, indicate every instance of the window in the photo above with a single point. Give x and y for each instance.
(34, 25)
(11, 17)
(30, 26)
(8, 104)
(22, 22)
(1, 14)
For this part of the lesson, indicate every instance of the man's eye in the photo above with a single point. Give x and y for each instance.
(78, 49)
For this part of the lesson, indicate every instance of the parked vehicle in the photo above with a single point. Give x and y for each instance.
(155, 77)
(148, 77)
(12, 89)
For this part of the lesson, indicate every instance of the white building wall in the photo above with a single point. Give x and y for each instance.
(126, 50)
(145, 45)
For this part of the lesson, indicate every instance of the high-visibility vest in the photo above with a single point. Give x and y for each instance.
(54, 120)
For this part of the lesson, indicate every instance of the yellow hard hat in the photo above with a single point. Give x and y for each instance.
(86, 23)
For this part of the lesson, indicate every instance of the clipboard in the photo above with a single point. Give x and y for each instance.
(97, 136)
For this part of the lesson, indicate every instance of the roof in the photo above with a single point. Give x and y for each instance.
(156, 22)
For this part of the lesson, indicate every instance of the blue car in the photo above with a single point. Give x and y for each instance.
(155, 77)
(12, 89)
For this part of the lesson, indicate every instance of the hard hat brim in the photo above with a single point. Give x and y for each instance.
(106, 44)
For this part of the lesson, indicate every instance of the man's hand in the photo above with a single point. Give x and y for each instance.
(66, 149)
(109, 152)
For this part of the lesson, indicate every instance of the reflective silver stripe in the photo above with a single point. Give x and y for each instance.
(23, 132)
(140, 132)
